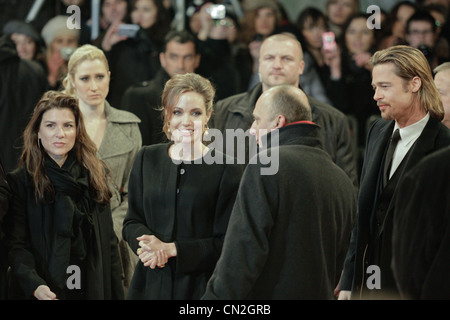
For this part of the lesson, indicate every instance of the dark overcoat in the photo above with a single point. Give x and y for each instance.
(289, 231)
(421, 237)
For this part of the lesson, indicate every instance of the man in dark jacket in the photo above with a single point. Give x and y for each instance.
(22, 83)
(281, 62)
(287, 236)
(412, 111)
(180, 55)
(420, 256)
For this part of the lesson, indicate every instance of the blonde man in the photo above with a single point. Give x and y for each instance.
(411, 108)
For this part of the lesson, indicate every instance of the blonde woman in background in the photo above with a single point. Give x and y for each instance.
(115, 133)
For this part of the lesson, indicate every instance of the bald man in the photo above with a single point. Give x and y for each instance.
(280, 243)
(281, 62)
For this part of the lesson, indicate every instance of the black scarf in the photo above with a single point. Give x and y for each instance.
(72, 219)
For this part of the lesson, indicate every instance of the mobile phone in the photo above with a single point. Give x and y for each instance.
(128, 30)
(217, 11)
(329, 41)
(66, 52)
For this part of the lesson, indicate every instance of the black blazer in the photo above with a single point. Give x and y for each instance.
(434, 136)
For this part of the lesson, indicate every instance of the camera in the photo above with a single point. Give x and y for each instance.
(128, 30)
(217, 11)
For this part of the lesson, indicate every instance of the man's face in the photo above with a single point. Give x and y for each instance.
(393, 95)
(114, 10)
(264, 119)
(442, 81)
(420, 33)
(179, 58)
(280, 62)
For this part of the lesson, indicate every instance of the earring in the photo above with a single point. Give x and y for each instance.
(206, 132)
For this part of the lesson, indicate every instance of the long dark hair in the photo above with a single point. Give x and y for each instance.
(84, 149)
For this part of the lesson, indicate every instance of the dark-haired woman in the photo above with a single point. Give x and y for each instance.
(59, 229)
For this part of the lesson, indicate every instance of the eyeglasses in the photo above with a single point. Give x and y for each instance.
(420, 32)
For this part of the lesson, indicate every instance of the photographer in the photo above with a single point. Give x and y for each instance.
(134, 58)
(216, 35)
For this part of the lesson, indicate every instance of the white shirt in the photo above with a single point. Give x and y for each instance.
(408, 135)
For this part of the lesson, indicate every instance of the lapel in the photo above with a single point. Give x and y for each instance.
(116, 140)
(377, 141)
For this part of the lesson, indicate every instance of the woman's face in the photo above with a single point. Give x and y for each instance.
(340, 10)
(312, 32)
(399, 26)
(265, 21)
(91, 81)
(144, 13)
(57, 133)
(359, 38)
(25, 45)
(188, 119)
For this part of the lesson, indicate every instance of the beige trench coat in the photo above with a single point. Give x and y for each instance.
(120, 144)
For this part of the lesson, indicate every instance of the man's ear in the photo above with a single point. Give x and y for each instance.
(416, 83)
(302, 67)
(280, 121)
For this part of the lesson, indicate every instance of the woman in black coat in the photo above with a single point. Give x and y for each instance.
(180, 198)
(59, 228)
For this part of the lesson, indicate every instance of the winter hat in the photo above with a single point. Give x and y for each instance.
(56, 27)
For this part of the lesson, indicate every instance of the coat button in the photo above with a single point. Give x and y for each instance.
(182, 171)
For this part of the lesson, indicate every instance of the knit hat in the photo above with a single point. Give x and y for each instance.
(56, 27)
(17, 26)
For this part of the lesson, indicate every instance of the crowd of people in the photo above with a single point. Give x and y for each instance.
(141, 156)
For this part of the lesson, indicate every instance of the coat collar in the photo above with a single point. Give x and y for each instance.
(297, 134)
(117, 139)
(119, 116)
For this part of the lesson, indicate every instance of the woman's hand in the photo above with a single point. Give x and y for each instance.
(43, 292)
(332, 58)
(153, 252)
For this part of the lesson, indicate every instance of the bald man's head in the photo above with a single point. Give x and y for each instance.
(277, 107)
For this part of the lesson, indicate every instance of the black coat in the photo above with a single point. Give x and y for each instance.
(373, 230)
(144, 100)
(132, 61)
(22, 84)
(186, 203)
(30, 249)
(289, 231)
(421, 237)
